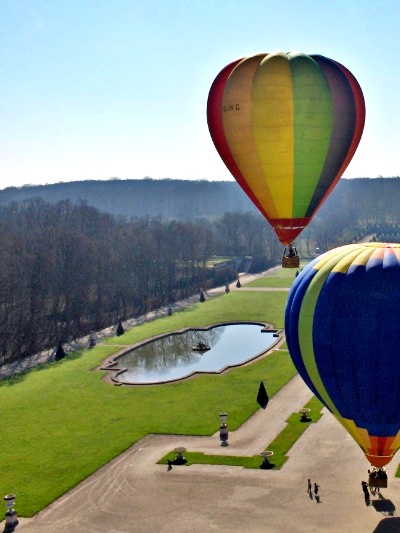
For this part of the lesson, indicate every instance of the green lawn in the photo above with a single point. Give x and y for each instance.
(279, 278)
(215, 259)
(280, 446)
(235, 306)
(61, 422)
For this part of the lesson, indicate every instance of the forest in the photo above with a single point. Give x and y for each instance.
(69, 268)
(363, 198)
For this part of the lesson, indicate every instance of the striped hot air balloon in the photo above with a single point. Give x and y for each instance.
(286, 126)
(342, 330)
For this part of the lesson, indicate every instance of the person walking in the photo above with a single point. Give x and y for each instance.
(364, 485)
(316, 489)
(309, 485)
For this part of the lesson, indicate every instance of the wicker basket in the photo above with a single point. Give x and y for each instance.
(377, 482)
(291, 262)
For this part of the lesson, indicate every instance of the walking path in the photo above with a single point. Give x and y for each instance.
(134, 494)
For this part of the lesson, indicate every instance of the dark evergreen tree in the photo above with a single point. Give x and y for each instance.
(202, 297)
(60, 353)
(120, 329)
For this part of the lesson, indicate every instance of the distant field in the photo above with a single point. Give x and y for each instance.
(277, 278)
(272, 282)
(235, 306)
(217, 259)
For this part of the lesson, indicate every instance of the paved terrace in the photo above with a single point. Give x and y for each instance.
(134, 494)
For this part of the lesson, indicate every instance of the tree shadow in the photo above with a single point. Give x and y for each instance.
(388, 525)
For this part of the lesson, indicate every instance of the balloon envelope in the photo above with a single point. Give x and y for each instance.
(286, 126)
(342, 330)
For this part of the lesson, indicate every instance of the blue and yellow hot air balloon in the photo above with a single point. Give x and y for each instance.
(286, 126)
(342, 329)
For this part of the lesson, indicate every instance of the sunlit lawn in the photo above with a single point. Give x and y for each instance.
(215, 259)
(235, 306)
(62, 422)
(277, 278)
(280, 446)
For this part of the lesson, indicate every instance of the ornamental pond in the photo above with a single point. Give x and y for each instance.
(171, 357)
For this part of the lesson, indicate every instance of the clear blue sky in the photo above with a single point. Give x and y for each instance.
(92, 89)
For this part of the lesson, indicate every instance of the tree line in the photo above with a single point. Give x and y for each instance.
(365, 198)
(68, 269)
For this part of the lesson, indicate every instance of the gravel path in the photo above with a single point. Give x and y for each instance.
(134, 494)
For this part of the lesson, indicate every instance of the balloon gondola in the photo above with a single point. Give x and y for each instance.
(377, 479)
(342, 331)
(286, 126)
(290, 258)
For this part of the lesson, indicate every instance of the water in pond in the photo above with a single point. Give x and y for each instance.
(172, 356)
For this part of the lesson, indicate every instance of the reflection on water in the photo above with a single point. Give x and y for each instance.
(172, 356)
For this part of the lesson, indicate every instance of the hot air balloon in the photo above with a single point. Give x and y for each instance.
(286, 126)
(342, 330)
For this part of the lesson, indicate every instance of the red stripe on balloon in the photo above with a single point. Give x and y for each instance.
(287, 229)
(216, 128)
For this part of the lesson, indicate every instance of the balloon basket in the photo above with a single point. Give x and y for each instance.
(291, 262)
(377, 482)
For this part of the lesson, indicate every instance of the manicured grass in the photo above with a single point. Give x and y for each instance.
(199, 458)
(233, 307)
(280, 446)
(277, 278)
(272, 282)
(61, 422)
(291, 433)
